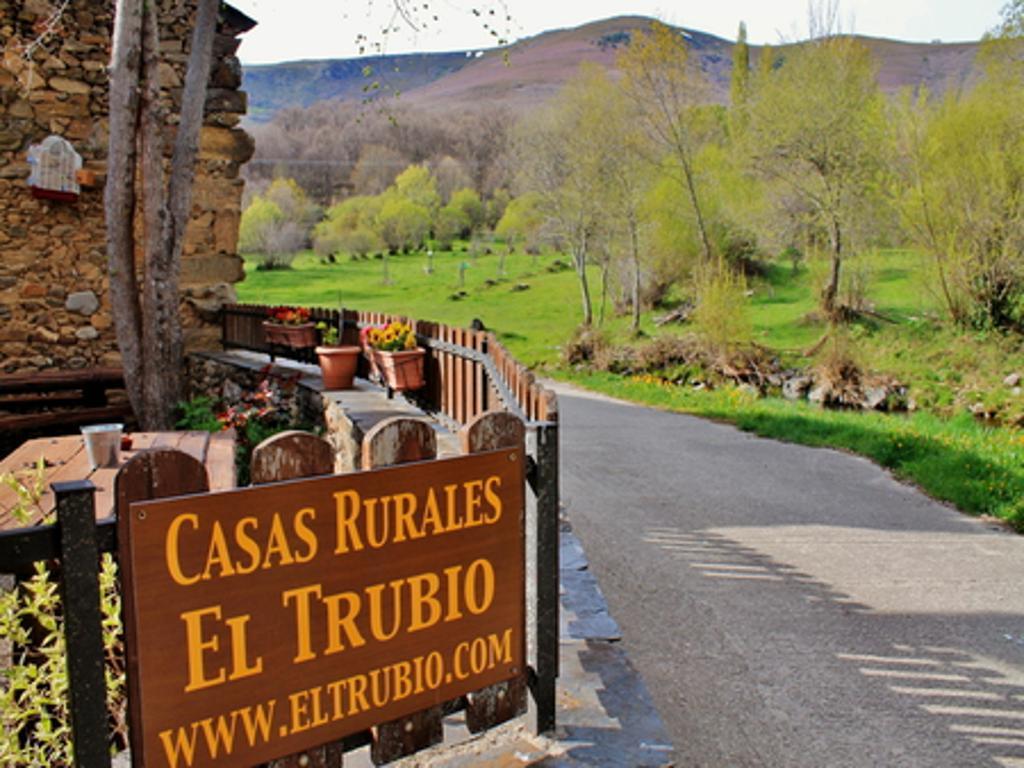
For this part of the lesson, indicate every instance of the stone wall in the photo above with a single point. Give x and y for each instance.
(54, 298)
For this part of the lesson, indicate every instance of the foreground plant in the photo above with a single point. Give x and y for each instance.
(35, 723)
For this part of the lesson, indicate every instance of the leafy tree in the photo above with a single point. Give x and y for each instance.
(817, 130)
(468, 202)
(293, 202)
(402, 224)
(962, 172)
(523, 220)
(740, 81)
(451, 175)
(452, 222)
(664, 87)
(565, 165)
(267, 231)
(416, 185)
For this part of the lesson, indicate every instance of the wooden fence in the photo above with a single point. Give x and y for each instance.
(467, 372)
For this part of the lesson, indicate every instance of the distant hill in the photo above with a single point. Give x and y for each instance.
(533, 69)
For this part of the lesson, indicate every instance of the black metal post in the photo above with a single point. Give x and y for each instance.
(543, 686)
(80, 569)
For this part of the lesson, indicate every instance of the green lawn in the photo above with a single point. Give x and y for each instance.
(944, 450)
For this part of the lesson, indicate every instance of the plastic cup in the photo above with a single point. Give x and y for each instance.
(103, 444)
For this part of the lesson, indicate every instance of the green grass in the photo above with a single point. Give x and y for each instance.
(944, 451)
(533, 323)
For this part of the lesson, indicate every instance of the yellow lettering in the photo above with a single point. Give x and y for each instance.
(374, 593)
(348, 505)
(485, 586)
(423, 588)
(301, 595)
(248, 545)
(336, 622)
(172, 551)
(432, 515)
(454, 521)
(179, 744)
(500, 648)
(493, 499)
(376, 536)
(277, 543)
(218, 553)
(405, 526)
(452, 590)
(304, 533)
(472, 489)
(196, 645)
(240, 666)
(300, 721)
(403, 681)
(357, 690)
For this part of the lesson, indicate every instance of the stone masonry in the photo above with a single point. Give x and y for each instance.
(54, 298)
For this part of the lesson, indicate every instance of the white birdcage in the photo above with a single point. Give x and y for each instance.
(55, 166)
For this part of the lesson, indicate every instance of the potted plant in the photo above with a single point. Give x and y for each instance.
(337, 362)
(397, 358)
(289, 327)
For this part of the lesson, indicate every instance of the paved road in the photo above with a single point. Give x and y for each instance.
(796, 607)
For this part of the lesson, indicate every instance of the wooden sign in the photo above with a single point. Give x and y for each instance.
(269, 620)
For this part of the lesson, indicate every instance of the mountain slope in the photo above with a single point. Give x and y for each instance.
(531, 70)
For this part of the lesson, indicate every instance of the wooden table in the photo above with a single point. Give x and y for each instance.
(66, 459)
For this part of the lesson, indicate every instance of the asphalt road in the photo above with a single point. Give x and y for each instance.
(790, 606)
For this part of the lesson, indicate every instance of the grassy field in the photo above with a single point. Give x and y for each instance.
(534, 307)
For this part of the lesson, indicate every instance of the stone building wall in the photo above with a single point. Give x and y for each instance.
(54, 297)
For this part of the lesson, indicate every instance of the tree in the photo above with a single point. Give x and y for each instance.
(145, 303)
(563, 163)
(401, 223)
(817, 129)
(523, 220)
(962, 172)
(376, 169)
(664, 87)
(468, 202)
(740, 82)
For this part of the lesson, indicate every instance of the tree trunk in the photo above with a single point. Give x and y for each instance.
(691, 188)
(831, 290)
(635, 246)
(580, 259)
(149, 327)
(119, 194)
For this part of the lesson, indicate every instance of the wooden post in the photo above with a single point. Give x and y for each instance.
(83, 625)
(397, 441)
(153, 474)
(290, 455)
(546, 566)
(497, 703)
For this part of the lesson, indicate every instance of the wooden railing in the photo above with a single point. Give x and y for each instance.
(467, 372)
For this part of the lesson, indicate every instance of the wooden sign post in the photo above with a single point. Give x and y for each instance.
(276, 618)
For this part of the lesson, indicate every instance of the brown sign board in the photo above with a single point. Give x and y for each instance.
(268, 620)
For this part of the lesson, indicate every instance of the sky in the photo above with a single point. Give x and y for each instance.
(322, 29)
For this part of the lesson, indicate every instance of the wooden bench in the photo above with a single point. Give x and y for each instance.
(27, 400)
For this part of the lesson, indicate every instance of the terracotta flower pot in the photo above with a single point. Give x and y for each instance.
(301, 336)
(402, 370)
(338, 366)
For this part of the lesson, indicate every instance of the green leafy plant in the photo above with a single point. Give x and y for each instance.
(328, 334)
(35, 724)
